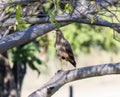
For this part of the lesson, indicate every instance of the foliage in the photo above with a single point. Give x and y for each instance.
(81, 37)
(93, 36)
(84, 37)
(26, 53)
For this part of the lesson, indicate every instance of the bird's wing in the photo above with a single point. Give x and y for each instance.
(69, 51)
(68, 47)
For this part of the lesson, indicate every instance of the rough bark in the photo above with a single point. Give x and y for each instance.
(25, 36)
(7, 82)
(80, 12)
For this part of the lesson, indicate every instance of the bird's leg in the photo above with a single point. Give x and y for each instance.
(66, 66)
(61, 67)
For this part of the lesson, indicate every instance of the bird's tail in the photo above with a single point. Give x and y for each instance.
(73, 62)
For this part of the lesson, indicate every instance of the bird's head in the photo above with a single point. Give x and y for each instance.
(59, 32)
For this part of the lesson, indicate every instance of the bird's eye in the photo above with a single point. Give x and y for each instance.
(63, 57)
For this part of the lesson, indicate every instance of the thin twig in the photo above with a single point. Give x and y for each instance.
(7, 31)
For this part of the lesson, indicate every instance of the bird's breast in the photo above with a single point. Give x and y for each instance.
(62, 40)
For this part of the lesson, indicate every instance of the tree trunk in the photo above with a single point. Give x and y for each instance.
(7, 82)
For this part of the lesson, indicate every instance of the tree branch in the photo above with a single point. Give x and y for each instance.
(63, 77)
(33, 32)
(81, 11)
(98, 21)
(20, 2)
(25, 36)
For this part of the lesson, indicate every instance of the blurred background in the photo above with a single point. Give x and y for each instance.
(91, 46)
(32, 64)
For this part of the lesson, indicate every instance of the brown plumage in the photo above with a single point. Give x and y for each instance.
(63, 48)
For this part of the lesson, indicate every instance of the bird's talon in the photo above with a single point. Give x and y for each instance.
(60, 71)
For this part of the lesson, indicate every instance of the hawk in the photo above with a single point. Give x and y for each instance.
(63, 48)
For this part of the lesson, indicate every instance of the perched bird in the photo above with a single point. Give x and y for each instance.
(63, 48)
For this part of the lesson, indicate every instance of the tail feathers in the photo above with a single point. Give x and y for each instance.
(73, 62)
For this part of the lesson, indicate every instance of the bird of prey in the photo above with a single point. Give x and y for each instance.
(63, 48)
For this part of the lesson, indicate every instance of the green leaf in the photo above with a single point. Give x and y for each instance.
(56, 2)
(33, 67)
(58, 25)
(92, 2)
(92, 20)
(7, 9)
(68, 8)
(18, 12)
(14, 27)
(10, 0)
(37, 60)
(52, 17)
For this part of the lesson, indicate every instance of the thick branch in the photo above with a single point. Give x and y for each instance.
(33, 32)
(82, 10)
(25, 36)
(98, 21)
(63, 77)
(20, 2)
